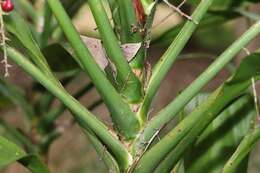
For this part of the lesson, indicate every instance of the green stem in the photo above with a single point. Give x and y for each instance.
(45, 101)
(169, 57)
(242, 151)
(85, 118)
(172, 109)
(47, 26)
(121, 113)
(129, 84)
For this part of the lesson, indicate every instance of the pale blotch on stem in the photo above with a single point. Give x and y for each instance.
(3, 40)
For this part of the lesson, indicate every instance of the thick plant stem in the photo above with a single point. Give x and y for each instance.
(85, 118)
(169, 57)
(242, 151)
(171, 110)
(129, 84)
(123, 118)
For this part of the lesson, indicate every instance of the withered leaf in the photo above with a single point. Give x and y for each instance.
(96, 49)
(130, 50)
(98, 52)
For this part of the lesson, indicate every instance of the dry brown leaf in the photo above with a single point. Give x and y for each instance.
(98, 52)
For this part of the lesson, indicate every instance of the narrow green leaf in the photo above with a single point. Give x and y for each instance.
(16, 25)
(17, 136)
(10, 153)
(34, 164)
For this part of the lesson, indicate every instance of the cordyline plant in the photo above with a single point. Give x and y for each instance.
(215, 131)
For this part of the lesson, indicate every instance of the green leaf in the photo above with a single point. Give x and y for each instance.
(34, 164)
(16, 25)
(55, 54)
(10, 153)
(17, 136)
(221, 138)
